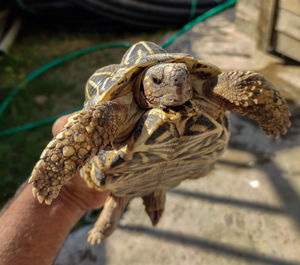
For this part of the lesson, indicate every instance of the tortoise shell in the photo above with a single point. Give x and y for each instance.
(161, 147)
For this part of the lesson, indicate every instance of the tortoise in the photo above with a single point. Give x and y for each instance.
(150, 122)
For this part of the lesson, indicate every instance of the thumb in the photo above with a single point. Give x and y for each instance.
(60, 123)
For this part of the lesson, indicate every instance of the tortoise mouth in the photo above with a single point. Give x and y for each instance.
(169, 96)
(183, 108)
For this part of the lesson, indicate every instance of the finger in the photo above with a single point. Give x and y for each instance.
(60, 123)
(87, 197)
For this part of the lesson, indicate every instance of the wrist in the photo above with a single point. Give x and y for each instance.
(27, 226)
(71, 202)
(64, 207)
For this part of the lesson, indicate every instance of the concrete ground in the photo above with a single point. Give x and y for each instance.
(247, 210)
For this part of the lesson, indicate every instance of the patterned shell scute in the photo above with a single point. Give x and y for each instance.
(140, 50)
(100, 82)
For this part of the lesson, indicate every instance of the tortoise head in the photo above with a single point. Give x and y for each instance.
(167, 84)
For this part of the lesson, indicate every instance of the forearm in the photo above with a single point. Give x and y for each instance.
(31, 233)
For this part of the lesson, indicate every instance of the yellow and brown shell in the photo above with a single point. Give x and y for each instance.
(162, 147)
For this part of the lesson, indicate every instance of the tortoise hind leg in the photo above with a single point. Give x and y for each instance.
(155, 205)
(249, 93)
(108, 219)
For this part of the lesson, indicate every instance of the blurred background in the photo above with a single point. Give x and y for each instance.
(247, 211)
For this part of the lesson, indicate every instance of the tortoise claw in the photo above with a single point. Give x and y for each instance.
(34, 192)
(95, 236)
(40, 198)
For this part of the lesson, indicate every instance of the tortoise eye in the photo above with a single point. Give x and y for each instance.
(156, 80)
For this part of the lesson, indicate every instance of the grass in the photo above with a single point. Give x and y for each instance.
(61, 88)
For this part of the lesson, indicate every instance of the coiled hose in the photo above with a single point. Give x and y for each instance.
(117, 14)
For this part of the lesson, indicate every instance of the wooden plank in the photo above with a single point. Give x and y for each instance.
(265, 25)
(287, 46)
(290, 5)
(288, 23)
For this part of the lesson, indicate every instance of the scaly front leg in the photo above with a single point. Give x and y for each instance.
(83, 136)
(249, 93)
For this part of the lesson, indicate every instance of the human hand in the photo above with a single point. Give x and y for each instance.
(76, 190)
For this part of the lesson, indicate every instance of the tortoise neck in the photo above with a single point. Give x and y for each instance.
(139, 93)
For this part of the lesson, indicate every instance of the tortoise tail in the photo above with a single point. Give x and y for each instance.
(155, 205)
